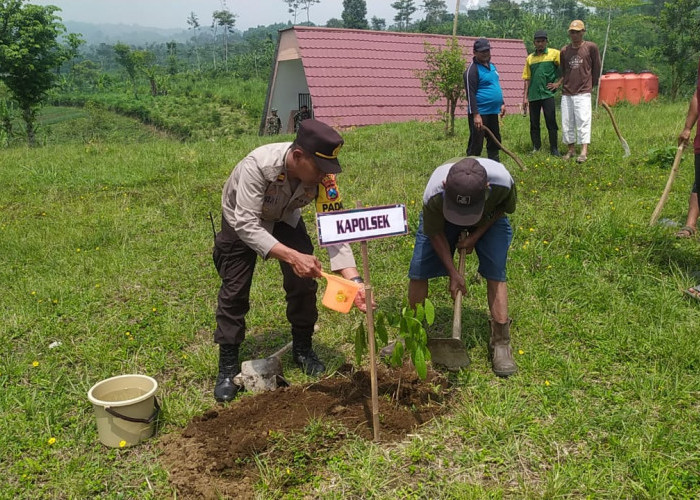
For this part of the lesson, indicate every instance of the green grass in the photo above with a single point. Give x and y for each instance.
(105, 247)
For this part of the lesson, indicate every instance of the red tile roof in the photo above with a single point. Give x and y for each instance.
(362, 77)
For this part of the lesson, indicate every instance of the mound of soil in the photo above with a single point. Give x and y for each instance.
(213, 456)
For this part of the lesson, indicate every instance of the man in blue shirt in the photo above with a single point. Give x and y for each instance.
(485, 101)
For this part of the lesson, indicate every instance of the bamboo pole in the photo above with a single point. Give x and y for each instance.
(370, 336)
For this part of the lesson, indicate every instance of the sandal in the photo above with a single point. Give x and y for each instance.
(568, 155)
(581, 159)
(686, 232)
(693, 291)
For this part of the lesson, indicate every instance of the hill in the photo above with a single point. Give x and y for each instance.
(133, 34)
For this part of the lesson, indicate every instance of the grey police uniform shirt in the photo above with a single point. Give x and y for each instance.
(258, 194)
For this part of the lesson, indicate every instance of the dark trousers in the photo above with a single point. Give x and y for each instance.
(235, 262)
(476, 137)
(550, 119)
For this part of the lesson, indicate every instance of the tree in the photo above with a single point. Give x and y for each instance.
(334, 22)
(306, 4)
(193, 24)
(443, 78)
(294, 6)
(404, 11)
(29, 53)
(680, 40)
(435, 11)
(378, 23)
(355, 14)
(226, 20)
(129, 60)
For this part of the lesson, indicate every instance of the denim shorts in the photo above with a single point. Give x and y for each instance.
(491, 249)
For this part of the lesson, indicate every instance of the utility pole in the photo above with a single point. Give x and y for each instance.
(454, 24)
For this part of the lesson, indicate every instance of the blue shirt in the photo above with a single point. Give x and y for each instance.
(484, 93)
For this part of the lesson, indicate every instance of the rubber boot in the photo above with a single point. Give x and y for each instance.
(304, 356)
(500, 352)
(225, 389)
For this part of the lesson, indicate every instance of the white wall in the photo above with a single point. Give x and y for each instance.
(290, 81)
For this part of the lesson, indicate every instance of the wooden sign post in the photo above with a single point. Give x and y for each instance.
(360, 225)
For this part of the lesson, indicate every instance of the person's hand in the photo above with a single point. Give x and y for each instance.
(306, 266)
(361, 299)
(478, 123)
(457, 284)
(684, 136)
(503, 110)
(468, 242)
(553, 86)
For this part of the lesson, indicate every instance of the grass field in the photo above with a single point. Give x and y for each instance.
(105, 255)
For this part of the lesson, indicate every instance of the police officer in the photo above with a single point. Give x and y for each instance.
(261, 216)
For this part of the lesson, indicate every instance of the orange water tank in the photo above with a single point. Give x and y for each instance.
(611, 88)
(633, 89)
(650, 85)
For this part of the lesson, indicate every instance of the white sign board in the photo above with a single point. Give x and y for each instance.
(345, 226)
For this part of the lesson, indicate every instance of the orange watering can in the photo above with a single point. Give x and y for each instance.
(340, 293)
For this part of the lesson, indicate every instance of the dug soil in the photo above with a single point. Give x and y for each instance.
(214, 456)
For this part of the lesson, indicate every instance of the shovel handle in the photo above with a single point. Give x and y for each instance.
(282, 351)
(457, 316)
(669, 183)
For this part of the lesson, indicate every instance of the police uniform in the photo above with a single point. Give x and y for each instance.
(261, 207)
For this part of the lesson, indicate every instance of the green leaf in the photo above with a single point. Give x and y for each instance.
(420, 312)
(420, 364)
(429, 312)
(397, 356)
(380, 329)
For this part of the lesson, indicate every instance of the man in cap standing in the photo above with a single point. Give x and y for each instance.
(540, 75)
(580, 65)
(261, 216)
(484, 101)
(473, 195)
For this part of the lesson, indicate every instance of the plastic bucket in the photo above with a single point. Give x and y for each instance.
(340, 293)
(126, 409)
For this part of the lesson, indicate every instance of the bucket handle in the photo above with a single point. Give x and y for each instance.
(148, 420)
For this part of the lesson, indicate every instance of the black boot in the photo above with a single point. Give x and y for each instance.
(225, 389)
(304, 356)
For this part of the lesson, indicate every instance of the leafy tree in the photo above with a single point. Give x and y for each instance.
(29, 53)
(129, 60)
(306, 5)
(172, 57)
(404, 11)
(226, 20)
(435, 11)
(294, 6)
(378, 23)
(334, 22)
(680, 40)
(443, 78)
(355, 14)
(193, 23)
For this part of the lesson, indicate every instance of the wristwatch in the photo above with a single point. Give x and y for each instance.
(357, 279)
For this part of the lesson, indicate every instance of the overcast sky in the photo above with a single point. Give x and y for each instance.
(174, 13)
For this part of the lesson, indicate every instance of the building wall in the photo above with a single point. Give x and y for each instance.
(289, 83)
